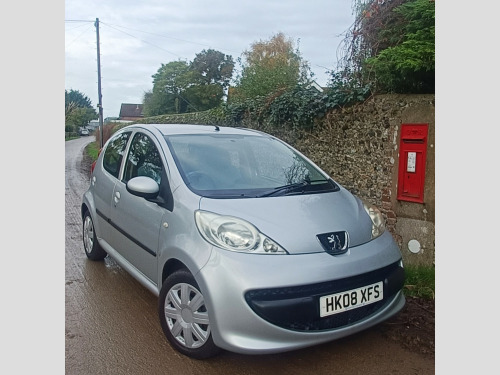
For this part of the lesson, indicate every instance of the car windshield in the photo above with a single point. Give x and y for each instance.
(234, 166)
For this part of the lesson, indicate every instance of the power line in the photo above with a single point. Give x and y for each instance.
(78, 37)
(79, 21)
(169, 37)
(144, 41)
(117, 28)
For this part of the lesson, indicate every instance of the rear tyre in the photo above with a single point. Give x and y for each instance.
(92, 248)
(184, 316)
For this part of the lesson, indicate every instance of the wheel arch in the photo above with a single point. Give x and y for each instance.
(84, 209)
(87, 205)
(170, 267)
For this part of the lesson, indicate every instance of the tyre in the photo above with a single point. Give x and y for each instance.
(184, 316)
(92, 248)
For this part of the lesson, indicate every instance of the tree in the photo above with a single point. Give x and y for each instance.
(409, 66)
(154, 105)
(214, 67)
(203, 97)
(169, 83)
(390, 47)
(271, 66)
(180, 87)
(211, 73)
(78, 98)
(78, 110)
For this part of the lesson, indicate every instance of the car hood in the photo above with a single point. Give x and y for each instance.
(295, 221)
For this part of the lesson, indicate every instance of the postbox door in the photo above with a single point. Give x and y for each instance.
(413, 149)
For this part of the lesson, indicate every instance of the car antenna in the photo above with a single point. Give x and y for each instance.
(216, 128)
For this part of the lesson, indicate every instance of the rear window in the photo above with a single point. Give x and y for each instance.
(113, 155)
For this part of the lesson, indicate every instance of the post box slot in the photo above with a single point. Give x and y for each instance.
(414, 141)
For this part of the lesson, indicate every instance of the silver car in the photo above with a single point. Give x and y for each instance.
(84, 132)
(249, 246)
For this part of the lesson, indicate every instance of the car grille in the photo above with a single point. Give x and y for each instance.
(297, 308)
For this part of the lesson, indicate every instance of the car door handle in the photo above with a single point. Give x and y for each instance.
(117, 197)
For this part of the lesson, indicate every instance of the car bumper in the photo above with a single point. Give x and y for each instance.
(262, 304)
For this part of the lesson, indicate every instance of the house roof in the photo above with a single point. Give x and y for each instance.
(131, 110)
(315, 85)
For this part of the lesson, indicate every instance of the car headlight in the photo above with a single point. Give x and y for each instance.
(378, 222)
(232, 233)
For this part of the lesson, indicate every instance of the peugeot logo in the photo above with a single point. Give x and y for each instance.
(334, 242)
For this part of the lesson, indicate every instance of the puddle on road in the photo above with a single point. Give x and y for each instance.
(111, 264)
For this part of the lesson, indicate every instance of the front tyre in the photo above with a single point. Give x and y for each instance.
(92, 248)
(184, 316)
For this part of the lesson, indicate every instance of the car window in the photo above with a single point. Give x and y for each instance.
(143, 159)
(235, 165)
(113, 154)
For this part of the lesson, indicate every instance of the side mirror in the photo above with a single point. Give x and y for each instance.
(143, 186)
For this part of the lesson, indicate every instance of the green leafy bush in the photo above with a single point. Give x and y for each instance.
(298, 107)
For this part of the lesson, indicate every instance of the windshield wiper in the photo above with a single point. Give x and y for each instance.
(286, 189)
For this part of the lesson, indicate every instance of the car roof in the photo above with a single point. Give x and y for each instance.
(176, 129)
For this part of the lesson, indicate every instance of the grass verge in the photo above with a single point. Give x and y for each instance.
(420, 281)
(93, 150)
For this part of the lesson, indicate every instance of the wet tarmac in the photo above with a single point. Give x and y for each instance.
(112, 327)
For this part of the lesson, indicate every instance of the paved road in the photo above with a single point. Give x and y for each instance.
(112, 326)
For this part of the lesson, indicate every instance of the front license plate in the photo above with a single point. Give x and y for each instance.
(351, 299)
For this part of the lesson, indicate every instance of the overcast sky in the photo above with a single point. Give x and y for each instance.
(136, 37)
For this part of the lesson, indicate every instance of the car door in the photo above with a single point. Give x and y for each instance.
(137, 221)
(103, 180)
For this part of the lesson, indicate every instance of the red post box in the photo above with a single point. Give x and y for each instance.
(412, 155)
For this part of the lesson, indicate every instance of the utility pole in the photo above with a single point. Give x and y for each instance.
(96, 24)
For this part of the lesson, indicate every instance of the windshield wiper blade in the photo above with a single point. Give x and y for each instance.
(285, 188)
(290, 188)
